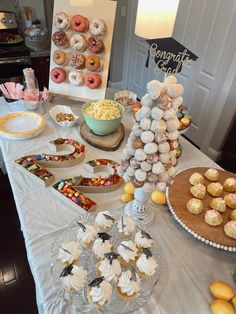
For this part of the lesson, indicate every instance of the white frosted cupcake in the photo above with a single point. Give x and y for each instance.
(146, 263)
(128, 285)
(128, 252)
(102, 245)
(110, 267)
(126, 226)
(143, 239)
(69, 252)
(73, 278)
(100, 292)
(104, 221)
(86, 235)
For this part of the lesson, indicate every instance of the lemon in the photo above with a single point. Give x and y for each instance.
(158, 198)
(221, 307)
(126, 197)
(129, 188)
(221, 290)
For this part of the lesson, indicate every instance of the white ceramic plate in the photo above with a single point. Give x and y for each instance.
(21, 125)
(63, 109)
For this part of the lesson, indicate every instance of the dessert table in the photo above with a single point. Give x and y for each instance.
(188, 265)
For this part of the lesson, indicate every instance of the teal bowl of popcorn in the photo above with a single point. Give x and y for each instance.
(103, 116)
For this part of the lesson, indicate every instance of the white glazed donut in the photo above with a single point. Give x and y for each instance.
(140, 155)
(145, 166)
(157, 113)
(97, 26)
(158, 168)
(147, 101)
(140, 175)
(164, 147)
(172, 125)
(78, 42)
(154, 89)
(170, 80)
(147, 137)
(169, 114)
(145, 124)
(172, 136)
(164, 158)
(150, 148)
(76, 78)
(61, 20)
(158, 126)
(175, 90)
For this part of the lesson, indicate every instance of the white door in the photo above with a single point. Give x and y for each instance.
(207, 28)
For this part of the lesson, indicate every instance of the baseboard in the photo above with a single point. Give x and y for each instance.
(213, 154)
(116, 85)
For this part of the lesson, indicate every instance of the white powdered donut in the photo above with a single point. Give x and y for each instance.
(173, 135)
(161, 186)
(61, 20)
(173, 155)
(140, 155)
(145, 124)
(164, 176)
(76, 78)
(130, 149)
(145, 166)
(172, 125)
(149, 187)
(164, 158)
(157, 113)
(152, 158)
(126, 177)
(151, 177)
(175, 90)
(164, 147)
(144, 112)
(170, 80)
(78, 42)
(126, 155)
(169, 114)
(177, 102)
(158, 168)
(134, 163)
(171, 171)
(120, 171)
(164, 102)
(130, 171)
(147, 101)
(154, 89)
(140, 175)
(150, 148)
(97, 26)
(147, 137)
(164, 88)
(158, 126)
(137, 132)
(161, 137)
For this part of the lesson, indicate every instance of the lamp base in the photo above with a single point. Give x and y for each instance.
(140, 212)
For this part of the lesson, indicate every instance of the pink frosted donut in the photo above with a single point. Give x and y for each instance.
(95, 45)
(79, 23)
(93, 81)
(58, 75)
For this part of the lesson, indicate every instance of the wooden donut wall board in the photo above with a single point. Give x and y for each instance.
(103, 9)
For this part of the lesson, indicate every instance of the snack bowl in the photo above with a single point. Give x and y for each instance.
(63, 110)
(102, 126)
(127, 99)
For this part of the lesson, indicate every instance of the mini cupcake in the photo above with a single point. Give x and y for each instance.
(126, 226)
(230, 200)
(146, 263)
(230, 229)
(73, 278)
(196, 178)
(128, 252)
(218, 204)
(104, 221)
(198, 191)
(102, 245)
(212, 174)
(86, 235)
(194, 206)
(230, 185)
(69, 253)
(213, 217)
(110, 267)
(99, 292)
(128, 285)
(143, 240)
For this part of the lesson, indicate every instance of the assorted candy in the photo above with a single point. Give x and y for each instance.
(184, 117)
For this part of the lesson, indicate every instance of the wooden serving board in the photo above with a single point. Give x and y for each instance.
(178, 195)
(110, 142)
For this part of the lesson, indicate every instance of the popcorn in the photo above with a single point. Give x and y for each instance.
(103, 110)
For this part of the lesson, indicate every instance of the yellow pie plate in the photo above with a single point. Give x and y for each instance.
(21, 125)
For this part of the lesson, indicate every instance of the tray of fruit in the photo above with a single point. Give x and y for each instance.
(7, 38)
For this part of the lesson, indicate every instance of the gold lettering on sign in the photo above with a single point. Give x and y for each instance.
(165, 57)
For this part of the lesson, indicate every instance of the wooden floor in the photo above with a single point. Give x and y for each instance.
(17, 290)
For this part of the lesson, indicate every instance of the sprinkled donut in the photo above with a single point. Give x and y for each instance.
(77, 60)
(60, 39)
(93, 63)
(95, 45)
(93, 81)
(76, 78)
(79, 23)
(58, 75)
(97, 26)
(78, 42)
(60, 57)
(61, 21)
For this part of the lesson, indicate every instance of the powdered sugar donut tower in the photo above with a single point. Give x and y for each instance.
(149, 158)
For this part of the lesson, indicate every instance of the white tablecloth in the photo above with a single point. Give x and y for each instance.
(188, 264)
